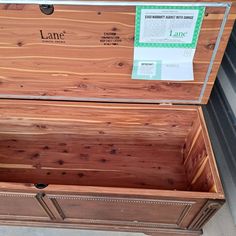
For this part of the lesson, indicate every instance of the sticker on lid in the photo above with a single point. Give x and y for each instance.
(165, 42)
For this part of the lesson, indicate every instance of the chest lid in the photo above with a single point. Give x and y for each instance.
(83, 51)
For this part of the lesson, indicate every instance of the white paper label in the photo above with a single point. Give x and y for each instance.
(165, 42)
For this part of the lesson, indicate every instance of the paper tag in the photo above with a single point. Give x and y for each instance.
(166, 35)
(168, 26)
(147, 68)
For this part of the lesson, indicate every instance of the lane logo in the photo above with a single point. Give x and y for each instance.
(178, 34)
(52, 37)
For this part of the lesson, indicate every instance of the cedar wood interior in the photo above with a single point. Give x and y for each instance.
(84, 67)
(109, 145)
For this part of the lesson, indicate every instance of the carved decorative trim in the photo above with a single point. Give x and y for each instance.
(36, 197)
(149, 231)
(208, 210)
(184, 214)
(12, 194)
(132, 223)
(40, 200)
(24, 218)
(58, 208)
(136, 224)
(185, 207)
(120, 200)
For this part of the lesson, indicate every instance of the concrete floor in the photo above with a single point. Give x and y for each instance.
(220, 225)
(30, 231)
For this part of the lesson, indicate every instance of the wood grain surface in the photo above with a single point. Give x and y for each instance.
(81, 67)
(108, 145)
(104, 162)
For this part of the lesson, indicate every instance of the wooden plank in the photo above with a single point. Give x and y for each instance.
(136, 179)
(199, 159)
(147, 193)
(107, 144)
(212, 161)
(83, 67)
(195, 157)
(191, 138)
(77, 155)
(205, 181)
(87, 87)
(200, 170)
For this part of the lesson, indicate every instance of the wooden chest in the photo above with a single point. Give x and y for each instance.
(116, 153)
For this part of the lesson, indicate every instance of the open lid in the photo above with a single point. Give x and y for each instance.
(83, 52)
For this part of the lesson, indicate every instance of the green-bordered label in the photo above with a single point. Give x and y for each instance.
(168, 26)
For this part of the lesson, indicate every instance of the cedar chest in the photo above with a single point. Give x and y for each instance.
(82, 145)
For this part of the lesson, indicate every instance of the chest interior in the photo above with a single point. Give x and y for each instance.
(134, 146)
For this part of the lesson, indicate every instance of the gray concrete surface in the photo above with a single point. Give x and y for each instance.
(221, 224)
(31, 231)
